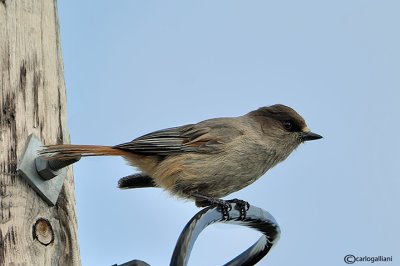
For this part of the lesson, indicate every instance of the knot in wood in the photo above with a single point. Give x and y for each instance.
(43, 232)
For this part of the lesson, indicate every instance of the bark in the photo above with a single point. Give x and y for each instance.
(32, 100)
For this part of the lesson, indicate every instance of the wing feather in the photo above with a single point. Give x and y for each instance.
(200, 137)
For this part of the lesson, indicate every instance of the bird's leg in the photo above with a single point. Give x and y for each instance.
(242, 206)
(203, 201)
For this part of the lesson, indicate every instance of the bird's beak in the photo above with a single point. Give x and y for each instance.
(308, 135)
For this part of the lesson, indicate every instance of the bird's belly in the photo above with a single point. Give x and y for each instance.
(218, 176)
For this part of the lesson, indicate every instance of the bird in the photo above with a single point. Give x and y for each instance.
(206, 161)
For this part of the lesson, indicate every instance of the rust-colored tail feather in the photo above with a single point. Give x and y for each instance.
(69, 151)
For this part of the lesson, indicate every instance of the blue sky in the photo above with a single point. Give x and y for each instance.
(132, 67)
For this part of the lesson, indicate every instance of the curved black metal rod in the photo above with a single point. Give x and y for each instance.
(256, 218)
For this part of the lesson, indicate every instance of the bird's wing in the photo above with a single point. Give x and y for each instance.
(207, 137)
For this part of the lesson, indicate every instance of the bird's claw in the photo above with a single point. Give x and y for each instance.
(225, 206)
(242, 206)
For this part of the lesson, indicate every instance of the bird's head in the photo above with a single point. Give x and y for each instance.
(283, 126)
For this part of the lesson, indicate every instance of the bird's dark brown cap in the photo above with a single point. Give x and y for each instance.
(288, 118)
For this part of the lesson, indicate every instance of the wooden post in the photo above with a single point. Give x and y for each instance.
(32, 100)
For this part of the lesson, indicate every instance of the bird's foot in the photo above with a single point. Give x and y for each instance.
(223, 205)
(242, 206)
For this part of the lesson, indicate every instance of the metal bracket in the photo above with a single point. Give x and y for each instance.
(45, 176)
(255, 218)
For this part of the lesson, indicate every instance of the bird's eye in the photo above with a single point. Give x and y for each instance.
(288, 125)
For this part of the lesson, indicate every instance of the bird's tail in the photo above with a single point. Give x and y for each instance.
(70, 151)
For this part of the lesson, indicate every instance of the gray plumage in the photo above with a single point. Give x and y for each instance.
(212, 158)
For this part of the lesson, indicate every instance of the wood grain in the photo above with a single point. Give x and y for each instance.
(32, 100)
